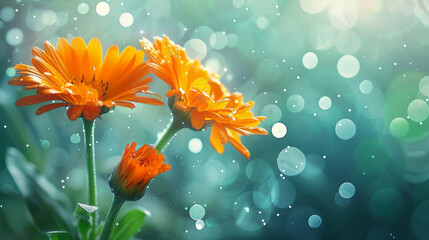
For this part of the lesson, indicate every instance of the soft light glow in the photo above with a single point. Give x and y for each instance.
(195, 145)
(345, 129)
(126, 19)
(348, 66)
(102, 8)
(310, 60)
(279, 130)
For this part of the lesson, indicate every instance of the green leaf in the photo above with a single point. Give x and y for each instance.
(85, 209)
(59, 235)
(129, 225)
(100, 228)
(47, 206)
(83, 227)
(83, 214)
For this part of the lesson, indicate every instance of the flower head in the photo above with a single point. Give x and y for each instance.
(136, 169)
(197, 96)
(191, 96)
(77, 76)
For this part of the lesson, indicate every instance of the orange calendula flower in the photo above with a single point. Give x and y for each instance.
(136, 169)
(199, 96)
(77, 76)
(191, 97)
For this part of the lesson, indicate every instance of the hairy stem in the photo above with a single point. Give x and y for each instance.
(111, 217)
(174, 127)
(89, 127)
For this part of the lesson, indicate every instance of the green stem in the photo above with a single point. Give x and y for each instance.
(174, 127)
(111, 217)
(88, 127)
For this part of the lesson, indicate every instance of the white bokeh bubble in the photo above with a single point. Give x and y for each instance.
(195, 145)
(424, 86)
(231, 40)
(283, 193)
(325, 103)
(314, 221)
(102, 8)
(75, 138)
(279, 130)
(310, 60)
(347, 190)
(347, 42)
(418, 110)
(62, 19)
(196, 48)
(291, 161)
(218, 40)
(34, 20)
(366, 87)
(321, 36)
(345, 129)
(199, 224)
(262, 22)
(126, 19)
(399, 127)
(272, 112)
(313, 6)
(14, 36)
(10, 72)
(83, 8)
(7, 14)
(238, 3)
(348, 66)
(295, 103)
(49, 17)
(343, 14)
(197, 212)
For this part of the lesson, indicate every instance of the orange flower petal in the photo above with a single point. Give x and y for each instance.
(135, 170)
(91, 112)
(75, 112)
(235, 141)
(35, 99)
(215, 139)
(197, 119)
(77, 75)
(50, 107)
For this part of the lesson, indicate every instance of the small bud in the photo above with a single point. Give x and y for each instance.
(137, 167)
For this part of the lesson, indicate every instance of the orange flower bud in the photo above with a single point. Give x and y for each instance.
(137, 167)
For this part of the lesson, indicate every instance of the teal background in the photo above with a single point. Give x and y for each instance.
(257, 47)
